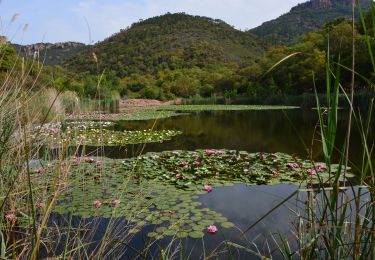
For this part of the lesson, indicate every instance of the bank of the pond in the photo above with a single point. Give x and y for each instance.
(144, 113)
(305, 100)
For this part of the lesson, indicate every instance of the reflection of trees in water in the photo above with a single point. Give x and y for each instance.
(253, 131)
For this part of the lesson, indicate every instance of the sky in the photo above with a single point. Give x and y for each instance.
(89, 21)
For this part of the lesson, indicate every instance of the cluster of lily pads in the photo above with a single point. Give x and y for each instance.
(179, 109)
(105, 137)
(160, 112)
(90, 134)
(197, 108)
(105, 188)
(40, 132)
(193, 169)
(134, 114)
(162, 189)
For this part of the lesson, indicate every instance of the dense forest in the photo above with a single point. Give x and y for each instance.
(304, 18)
(179, 55)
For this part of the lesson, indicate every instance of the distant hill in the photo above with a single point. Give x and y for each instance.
(304, 18)
(170, 41)
(50, 53)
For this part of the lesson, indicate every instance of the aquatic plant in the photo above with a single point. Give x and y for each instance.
(114, 192)
(212, 229)
(152, 193)
(195, 108)
(130, 115)
(220, 167)
(102, 137)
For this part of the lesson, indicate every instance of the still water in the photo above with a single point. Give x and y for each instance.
(293, 131)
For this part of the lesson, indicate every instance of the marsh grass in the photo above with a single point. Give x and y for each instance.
(338, 220)
(28, 227)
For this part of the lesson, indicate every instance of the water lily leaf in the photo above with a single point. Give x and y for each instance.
(227, 225)
(196, 234)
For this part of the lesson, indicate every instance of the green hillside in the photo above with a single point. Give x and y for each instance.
(168, 56)
(304, 18)
(171, 41)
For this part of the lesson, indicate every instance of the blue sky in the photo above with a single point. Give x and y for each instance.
(64, 20)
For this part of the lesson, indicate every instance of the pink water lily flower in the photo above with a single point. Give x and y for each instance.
(184, 163)
(207, 188)
(178, 176)
(40, 171)
(75, 162)
(116, 202)
(311, 171)
(89, 160)
(214, 152)
(321, 167)
(292, 165)
(99, 164)
(212, 229)
(10, 217)
(197, 163)
(97, 204)
(40, 205)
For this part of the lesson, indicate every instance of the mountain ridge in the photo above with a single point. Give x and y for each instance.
(304, 18)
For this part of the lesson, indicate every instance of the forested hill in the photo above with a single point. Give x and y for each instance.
(304, 18)
(171, 41)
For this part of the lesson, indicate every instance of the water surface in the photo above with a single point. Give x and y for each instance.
(293, 132)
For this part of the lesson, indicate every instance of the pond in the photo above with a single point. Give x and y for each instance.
(293, 132)
(287, 131)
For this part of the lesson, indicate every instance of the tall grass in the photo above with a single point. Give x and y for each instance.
(338, 221)
(27, 197)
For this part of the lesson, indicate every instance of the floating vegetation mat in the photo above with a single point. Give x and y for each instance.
(160, 112)
(194, 108)
(162, 189)
(101, 137)
(191, 170)
(151, 115)
(134, 114)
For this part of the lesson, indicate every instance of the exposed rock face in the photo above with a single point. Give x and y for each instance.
(3, 40)
(324, 4)
(50, 53)
(321, 4)
(47, 46)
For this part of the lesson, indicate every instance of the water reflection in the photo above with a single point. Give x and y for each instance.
(292, 131)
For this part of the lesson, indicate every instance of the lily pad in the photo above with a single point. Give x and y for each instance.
(196, 234)
(227, 225)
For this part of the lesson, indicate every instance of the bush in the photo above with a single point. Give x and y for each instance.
(69, 101)
(150, 93)
(45, 105)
